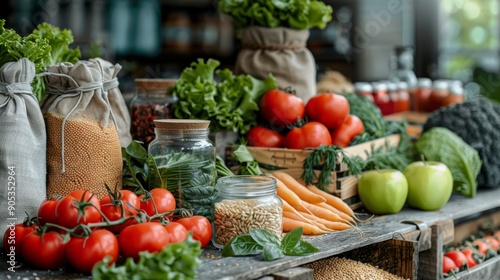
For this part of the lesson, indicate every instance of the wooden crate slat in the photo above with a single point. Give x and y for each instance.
(430, 260)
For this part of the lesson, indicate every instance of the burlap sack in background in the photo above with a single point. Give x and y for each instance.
(119, 109)
(83, 148)
(282, 52)
(22, 145)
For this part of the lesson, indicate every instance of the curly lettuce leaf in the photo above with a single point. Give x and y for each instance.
(230, 104)
(443, 145)
(59, 41)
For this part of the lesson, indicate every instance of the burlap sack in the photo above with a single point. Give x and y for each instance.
(119, 109)
(282, 52)
(22, 145)
(83, 148)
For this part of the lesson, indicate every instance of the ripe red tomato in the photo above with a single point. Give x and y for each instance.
(200, 227)
(12, 239)
(176, 232)
(311, 135)
(469, 254)
(279, 108)
(259, 136)
(449, 265)
(47, 211)
(162, 199)
(84, 253)
(150, 236)
(481, 246)
(350, 128)
(113, 211)
(458, 258)
(492, 241)
(44, 252)
(328, 108)
(69, 216)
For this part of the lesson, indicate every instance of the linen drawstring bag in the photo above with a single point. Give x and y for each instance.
(22, 145)
(115, 98)
(282, 52)
(83, 148)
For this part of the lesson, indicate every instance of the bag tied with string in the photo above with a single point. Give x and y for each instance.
(22, 144)
(282, 52)
(119, 108)
(83, 148)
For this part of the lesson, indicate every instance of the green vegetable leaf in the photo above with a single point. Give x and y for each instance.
(302, 249)
(242, 245)
(291, 239)
(272, 252)
(441, 144)
(153, 175)
(263, 237)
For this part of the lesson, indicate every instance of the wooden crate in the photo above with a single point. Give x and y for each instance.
(291, 161)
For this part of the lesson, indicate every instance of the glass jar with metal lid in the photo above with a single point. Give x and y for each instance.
(185, 157)
(243, 203)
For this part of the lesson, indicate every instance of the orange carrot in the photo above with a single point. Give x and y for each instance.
(336, 211)
(334, 201)
(291, 224)
(322, 213)
(321, 223)
(299, 189)
(289, 196)
(328, 224)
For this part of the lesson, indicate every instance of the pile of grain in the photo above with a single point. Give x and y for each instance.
(92, 156)
(347, 269)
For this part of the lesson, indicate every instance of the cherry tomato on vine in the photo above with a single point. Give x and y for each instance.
(68, 214)
(176, 232)
(469, 254)
(350, 128)
(113, 210)
(492, 241)
(482, 246)
(328, 108)
(458, 258)
(47, 211)
(448, 265)
(150, 236)
(200, 226)
(259, 136)
(279, 108)
(12, 239)
(310, 135)
(84, 252)
(162, 199)
(47, 251)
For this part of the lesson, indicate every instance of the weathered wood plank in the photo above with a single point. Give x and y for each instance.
(295, 273)
(430, 260)
(488, 270)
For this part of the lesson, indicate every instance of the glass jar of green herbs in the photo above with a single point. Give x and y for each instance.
(185, 158)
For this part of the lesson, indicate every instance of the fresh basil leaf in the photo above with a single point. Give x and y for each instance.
(302, 249)
(137, 151)
(241, 245)
(154, 179)
(291, 240)
(263, 237)
(272, 252)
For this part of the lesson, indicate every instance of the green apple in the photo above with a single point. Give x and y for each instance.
(430, 184)
(383, 191)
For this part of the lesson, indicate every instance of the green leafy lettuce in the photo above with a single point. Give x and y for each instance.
(176, 261)
(296, 14)
(46, 45)
(231, 103)
(443, 145)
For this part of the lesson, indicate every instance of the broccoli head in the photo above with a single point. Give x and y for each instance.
(477, 122)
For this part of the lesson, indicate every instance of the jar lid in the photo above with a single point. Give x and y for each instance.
(182, 124)
(154, 85)
(440, 84)
(246, 185)
(403, 85)
(424, 82)
(392, 86)
(379, 86)
(362, 87)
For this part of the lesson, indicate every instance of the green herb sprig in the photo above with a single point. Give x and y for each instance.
(260, 241)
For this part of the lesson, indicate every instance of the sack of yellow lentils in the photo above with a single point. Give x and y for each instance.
(119, 109)
(22, 144)
(83, 148)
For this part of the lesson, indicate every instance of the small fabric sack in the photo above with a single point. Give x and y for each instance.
(22, 145)
(282, 52)
(83, 148)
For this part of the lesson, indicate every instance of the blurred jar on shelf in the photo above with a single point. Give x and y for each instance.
(456, 94)
(177, 33)
(392, 88)
(421, 95)
(439, 93)
(151, 102)
(381, 96)
(403, 102)
(364, 89)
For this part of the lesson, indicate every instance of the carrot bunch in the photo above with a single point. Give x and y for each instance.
(316, 211)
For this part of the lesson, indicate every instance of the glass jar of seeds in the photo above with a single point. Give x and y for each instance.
(245, 202)
(185, 158)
